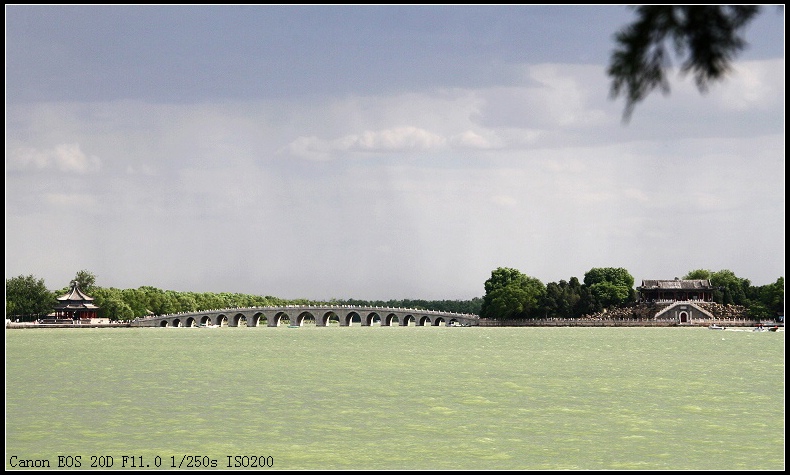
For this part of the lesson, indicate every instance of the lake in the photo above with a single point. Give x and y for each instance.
(388, 398)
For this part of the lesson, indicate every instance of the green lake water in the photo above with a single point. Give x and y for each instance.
(388, 398)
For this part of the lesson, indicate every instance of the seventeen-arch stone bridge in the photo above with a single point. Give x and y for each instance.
(298, 315)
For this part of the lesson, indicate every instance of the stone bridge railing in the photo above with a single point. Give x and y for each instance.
(297, 315)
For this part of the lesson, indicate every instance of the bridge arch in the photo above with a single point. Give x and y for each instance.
(257, 319)
(350, 319)
(332, 319)
(345, 315)
(278, 319)
(371, 318)
(303, 318)
(389, 319)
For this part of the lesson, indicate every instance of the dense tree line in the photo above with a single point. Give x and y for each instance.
(763, 301)
(513, 295)
(27, 299)
(456, 306)
(509, 294)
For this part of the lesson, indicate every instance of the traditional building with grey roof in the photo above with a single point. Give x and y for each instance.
(676, 290)
(75, 306)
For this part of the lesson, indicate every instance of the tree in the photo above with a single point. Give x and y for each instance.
(586, 304)
(185, 302)
(772, 297)
(111, 304)
(159, 302)
(608, 294)
(116, 309)
(135, 299)
(561, 299)
(698, 274)
(610, 286)
(709, 34)
(728, 288)
(732, 287)
(27, 298)
(766, 302)
(553, 300)
(511, 294)
(614, 275)
(86, 281)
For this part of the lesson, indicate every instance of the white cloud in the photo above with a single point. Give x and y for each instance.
(400, 139)
(753, 83)
(553, 95)
(64, 157)
(69, 157)
(539, 176)
(474, 140)
(310, 148)
(26, 157)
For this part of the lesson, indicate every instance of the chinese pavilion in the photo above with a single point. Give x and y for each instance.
(699, 290)
(76, 306)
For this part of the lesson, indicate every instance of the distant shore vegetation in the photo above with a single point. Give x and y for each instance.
(509, 295)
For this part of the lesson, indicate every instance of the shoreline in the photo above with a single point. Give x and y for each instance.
(740, 325)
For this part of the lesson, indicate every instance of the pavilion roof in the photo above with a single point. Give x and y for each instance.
(75, 295)
(692, 284)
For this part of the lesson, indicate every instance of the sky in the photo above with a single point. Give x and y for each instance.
(376, 152)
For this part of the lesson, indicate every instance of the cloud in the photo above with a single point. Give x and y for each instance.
(553, 95)
(539, 175)
(399, 139)
(753, 84)
(402, 139)
(474, 140)
(64, 157)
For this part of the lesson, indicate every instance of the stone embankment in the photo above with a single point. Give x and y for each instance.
(649, 311)
(639, 315)
(10, 325)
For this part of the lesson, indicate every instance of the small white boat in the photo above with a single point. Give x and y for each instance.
(717, 327)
